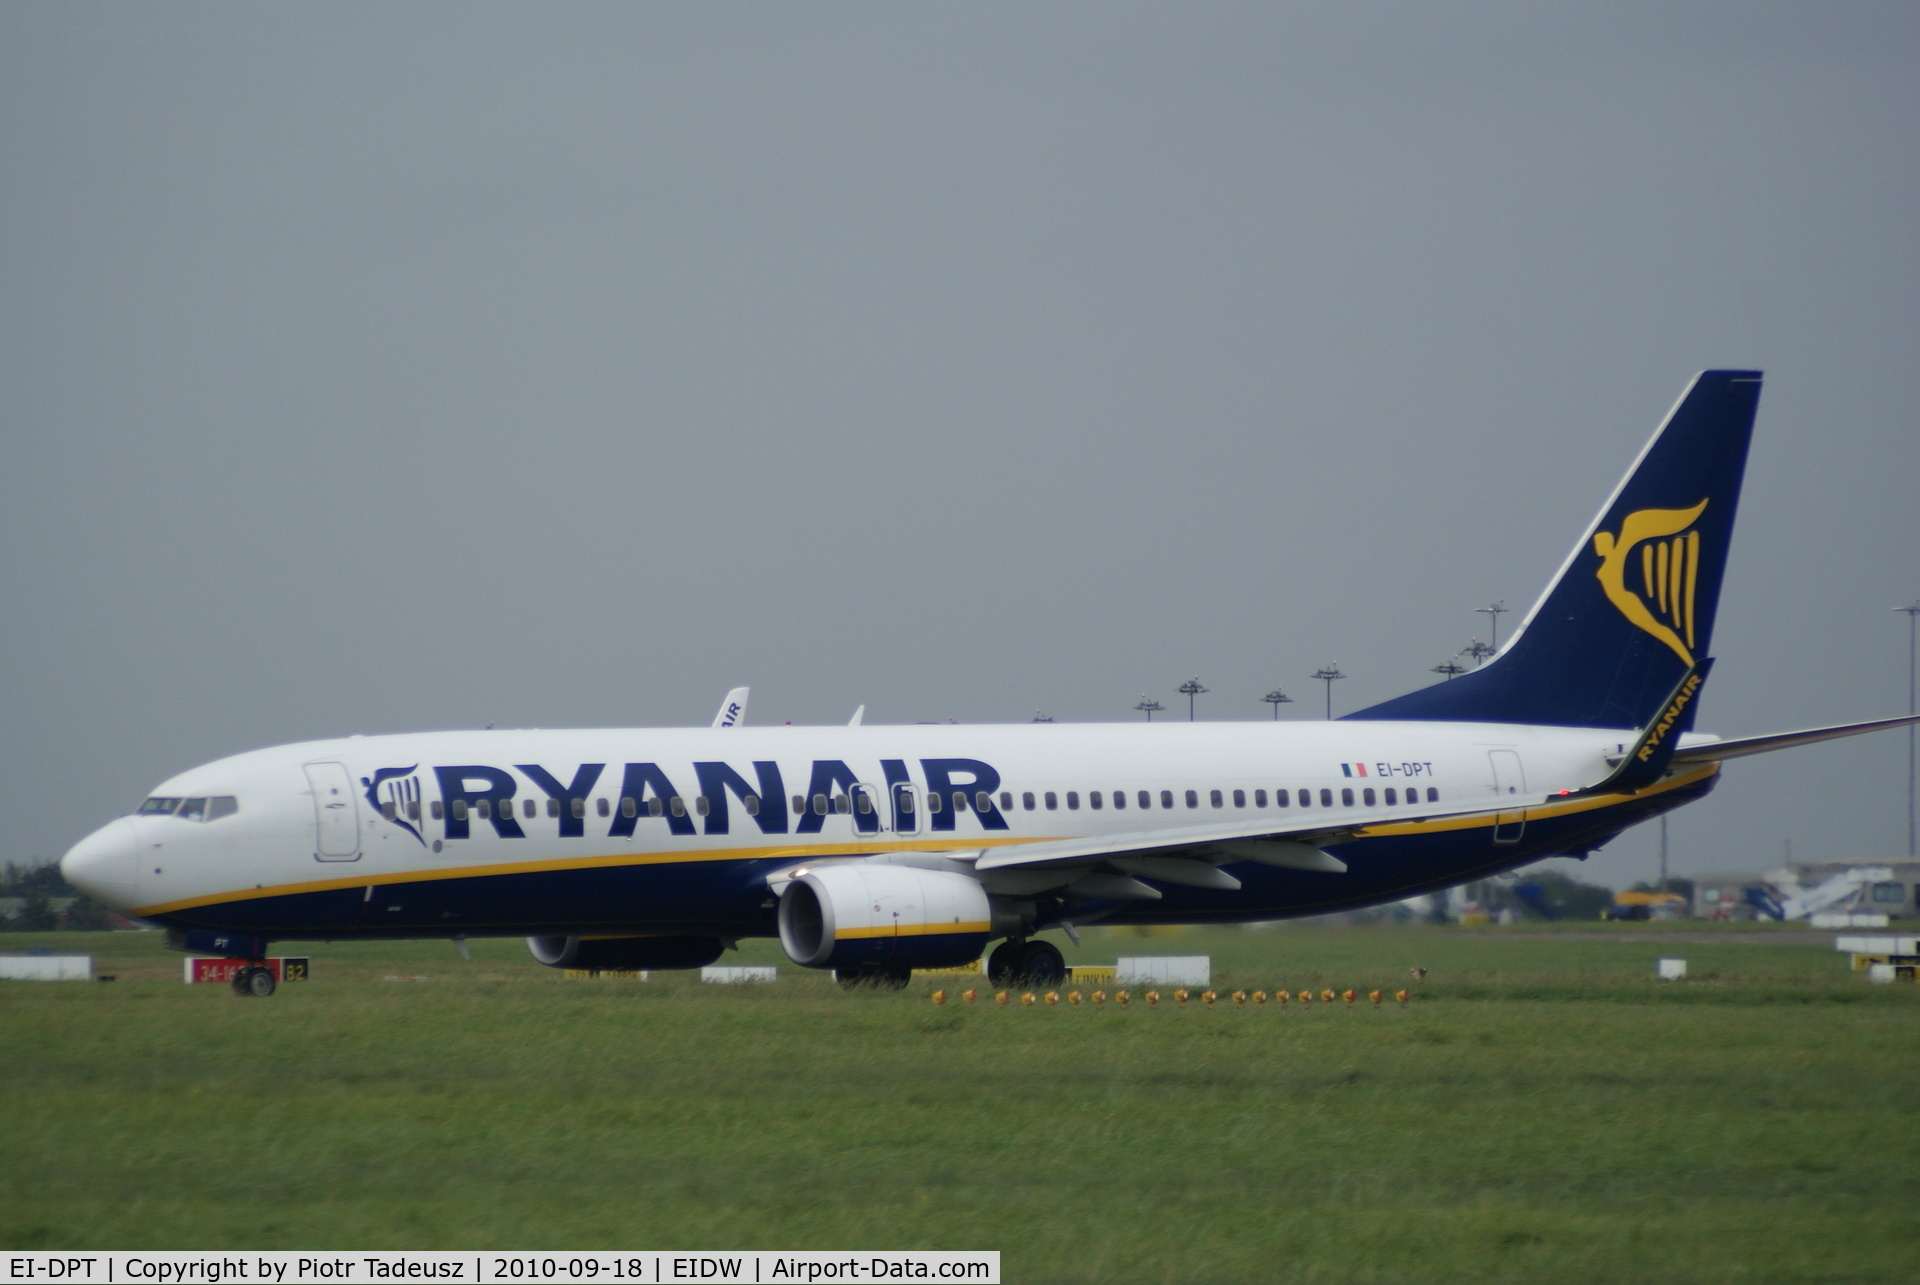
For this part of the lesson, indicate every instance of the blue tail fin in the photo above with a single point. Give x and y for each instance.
(1632, 608)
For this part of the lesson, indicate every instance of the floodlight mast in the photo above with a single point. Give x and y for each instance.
(1478, 650)
(1277, 698)
(1148, 706)
(1492, 612)
(1912, 611)
(1329, 675)
(1190, 689)
(1450, 667)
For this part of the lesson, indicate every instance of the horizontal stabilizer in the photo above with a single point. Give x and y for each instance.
(1719, 751)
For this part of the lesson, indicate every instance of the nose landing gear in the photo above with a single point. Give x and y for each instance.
(254, 980)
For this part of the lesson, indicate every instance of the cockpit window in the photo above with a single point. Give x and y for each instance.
(210, 809)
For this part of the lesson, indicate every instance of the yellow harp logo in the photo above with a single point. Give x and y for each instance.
(1660, 600)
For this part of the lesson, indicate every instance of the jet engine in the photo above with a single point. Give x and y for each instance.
(626, 952)
(863, 914)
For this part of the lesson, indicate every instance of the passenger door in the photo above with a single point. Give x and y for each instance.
(336, 813)
(1508, 779)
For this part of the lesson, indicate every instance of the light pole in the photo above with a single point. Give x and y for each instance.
(1493, 612)
(1478, 650)
(1329, 675)
(1663, 852)
(1190, 689)
(1450, 668)
(1277, 698)
(1148, 707)
(1913, 613)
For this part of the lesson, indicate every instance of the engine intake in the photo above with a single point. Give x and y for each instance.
(853, 914)
(626, 952)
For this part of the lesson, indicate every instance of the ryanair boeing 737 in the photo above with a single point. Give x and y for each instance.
(876, 850)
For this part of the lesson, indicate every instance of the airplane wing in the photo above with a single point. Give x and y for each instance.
(1717, 751)
(733, 710)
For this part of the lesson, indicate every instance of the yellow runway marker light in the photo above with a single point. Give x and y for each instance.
(1053, 999)
(1180, 997)
(1026, 999)
(939, 997)
(1281, 998)
(1239, 999)
(1306, 999)
(1153, 998)
(1326, 996)
(1001, 997)
(969, 995)
(1073, 998)
(1259, 997)
(1375, 997)
(1207, 998)
(1122, 997)
(1401, 995)
(1348, 996)
(1099, 998)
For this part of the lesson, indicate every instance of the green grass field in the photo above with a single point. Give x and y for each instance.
(1543, 1110)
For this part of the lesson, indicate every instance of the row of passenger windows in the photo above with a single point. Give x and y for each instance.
(980, 801)
(208, 809)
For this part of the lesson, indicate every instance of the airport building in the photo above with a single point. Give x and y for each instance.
(1860, 885)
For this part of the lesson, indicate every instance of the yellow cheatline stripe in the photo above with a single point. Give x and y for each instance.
(1572, 806)
(1441, 825)
(909, 930)
(784, 851)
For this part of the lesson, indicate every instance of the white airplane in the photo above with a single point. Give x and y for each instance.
(873, 850)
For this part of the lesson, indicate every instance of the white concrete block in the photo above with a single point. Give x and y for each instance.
(734, 975)
(46, 968)
(1163, 970)
(1673, 970)
(1880, 972)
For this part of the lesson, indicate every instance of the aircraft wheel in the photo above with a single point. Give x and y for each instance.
(1003, 965)
(1042, 964)
(242, 977)
(260, 984)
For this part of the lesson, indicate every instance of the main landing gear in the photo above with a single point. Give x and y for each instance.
(255, 980)
(1026, 963)
(890, 977)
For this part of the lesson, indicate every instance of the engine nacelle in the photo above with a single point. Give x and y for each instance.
(860, 913)
(626, 952)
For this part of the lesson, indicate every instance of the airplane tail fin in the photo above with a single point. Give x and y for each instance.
(1631, 610)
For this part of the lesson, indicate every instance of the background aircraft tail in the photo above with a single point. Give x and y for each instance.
(1633, 605)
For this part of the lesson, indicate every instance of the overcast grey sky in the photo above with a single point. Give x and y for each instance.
(377, 368)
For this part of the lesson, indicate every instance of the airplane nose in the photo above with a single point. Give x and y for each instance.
(102, 864)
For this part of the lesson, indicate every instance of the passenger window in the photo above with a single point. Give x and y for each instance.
(482, 808)
(841, 804)
(413, 809)
(629, 807)
(903, 799)
(1213, 797)
(389, 810)
(580, 809)
(862, 804)
(1259, 798)
(193, 810)
(600, 806)
(959, 800)
(1281, 798)
(1193, 798)
(799, 805)
(437, 810)
(1166, 798)
(225, 805)
(1052, 801)
(530, 809)
(982, 802)
(1433, 795)
(702, 806)
(1326, 798)
(1239, 798)
(459, 809)
(1073, 800)
(655, 807)
(1006, 801)
(1391, 800)
(1119, 798)
(677, 805)
(1026, 800)
(1093, 799)
(819, 805)
(1146, 799)
(1346, 798)
(1366, 796)
(751, 804)
(933, 801)
(553, 807)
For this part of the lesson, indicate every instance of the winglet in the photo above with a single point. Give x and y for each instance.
(733, 710)
(858, 716)
(1652, 751)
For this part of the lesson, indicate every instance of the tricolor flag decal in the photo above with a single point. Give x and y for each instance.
(1353, 769)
